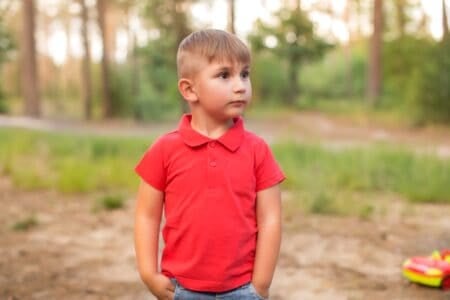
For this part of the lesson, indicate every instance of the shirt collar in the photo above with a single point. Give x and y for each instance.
(232, 139)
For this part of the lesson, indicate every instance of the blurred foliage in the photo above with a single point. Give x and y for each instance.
(269, 79)
(6, 46)
(25, 223)
(336, 76)
(292, 65)
(109, 202)
(292, 41)
(6, 42)
(416, 77)
(158, 95)
(403, 57)
(121, 90)
(431, 96)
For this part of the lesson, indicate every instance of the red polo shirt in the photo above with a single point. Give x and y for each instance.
(210, 196)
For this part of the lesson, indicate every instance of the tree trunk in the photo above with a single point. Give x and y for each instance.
(348, 51)
(30, 83)
(374, 76)
(359, 17)
(445, 31)
(293, 82)
(181, 31)
(231, 14)
(106, 88)
(86, 84)
(132, 56)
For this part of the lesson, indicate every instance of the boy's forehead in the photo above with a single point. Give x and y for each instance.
(219, 59)
(227, 62)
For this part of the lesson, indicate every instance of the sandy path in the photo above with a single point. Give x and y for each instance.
(74, 253)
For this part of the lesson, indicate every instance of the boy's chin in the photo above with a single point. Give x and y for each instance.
(235, 114)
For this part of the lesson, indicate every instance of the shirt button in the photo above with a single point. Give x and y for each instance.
(212, 144)
(213, 163)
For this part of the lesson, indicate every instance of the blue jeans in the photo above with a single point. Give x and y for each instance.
(245, 292)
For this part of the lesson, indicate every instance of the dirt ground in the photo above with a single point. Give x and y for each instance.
(75, 253)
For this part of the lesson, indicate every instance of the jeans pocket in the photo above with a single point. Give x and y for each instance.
(177, 289)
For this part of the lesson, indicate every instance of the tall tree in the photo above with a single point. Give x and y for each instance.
(105, 65)
(359, 14)
(171, 19)
(30, 83)
(231, 16)
(294, 43)
(445, 31)
(86, 85)
(347, 50)
(374, 70)
(400, 16)
(130, 8)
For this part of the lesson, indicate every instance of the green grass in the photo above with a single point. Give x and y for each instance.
(324, 180)
(322, 174)
(109, 202)
(69, 163)
(25, 224)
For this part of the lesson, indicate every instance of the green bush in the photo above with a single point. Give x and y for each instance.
(431, 95)
(402, 59)
(109, 202)
(269, 79)
(25, 224)
(158, 96)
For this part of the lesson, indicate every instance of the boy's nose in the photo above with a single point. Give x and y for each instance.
(239, 85)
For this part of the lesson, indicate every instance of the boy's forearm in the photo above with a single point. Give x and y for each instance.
(267, 250)
(146, 231)
(146, 245)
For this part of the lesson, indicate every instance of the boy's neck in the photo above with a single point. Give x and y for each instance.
(209, 127)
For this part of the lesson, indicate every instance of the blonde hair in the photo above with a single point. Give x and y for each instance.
(212, 45)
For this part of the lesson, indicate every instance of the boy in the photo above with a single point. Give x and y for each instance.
(217, 183)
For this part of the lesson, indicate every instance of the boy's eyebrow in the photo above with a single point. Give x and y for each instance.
(228, 67)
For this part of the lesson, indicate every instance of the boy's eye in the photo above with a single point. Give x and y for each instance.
(245, 74)
(224, 75)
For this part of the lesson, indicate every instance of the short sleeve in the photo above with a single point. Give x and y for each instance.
(151, 167)
(268, 172)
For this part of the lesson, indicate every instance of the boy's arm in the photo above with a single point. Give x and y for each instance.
(149, 209)
(268, 213)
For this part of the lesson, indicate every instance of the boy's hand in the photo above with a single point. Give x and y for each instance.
(261, 291)
(161, 286)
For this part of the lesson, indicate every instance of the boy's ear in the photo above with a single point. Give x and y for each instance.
(186, 88)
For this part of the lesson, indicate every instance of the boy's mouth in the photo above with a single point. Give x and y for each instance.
(238, 102)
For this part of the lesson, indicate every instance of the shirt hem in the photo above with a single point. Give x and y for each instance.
(212, 286)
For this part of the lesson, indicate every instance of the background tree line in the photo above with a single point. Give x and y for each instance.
(388, 58)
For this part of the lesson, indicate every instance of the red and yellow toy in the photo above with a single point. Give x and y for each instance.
(433, 270)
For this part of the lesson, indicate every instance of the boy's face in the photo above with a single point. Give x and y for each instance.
(223, 89)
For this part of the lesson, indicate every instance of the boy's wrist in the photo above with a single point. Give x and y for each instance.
(158, 284)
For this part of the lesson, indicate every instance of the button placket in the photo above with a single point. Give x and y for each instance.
(211, 156)
(212, 164)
